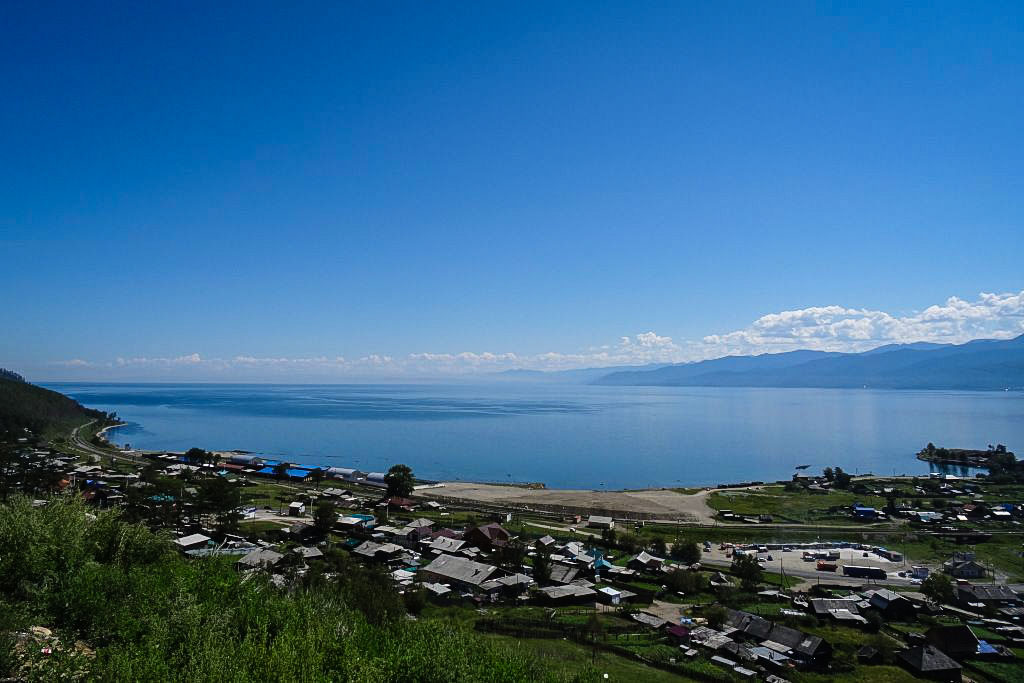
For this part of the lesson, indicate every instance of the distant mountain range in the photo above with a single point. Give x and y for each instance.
(580, 376)
(983, 364)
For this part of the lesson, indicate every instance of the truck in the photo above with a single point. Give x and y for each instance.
(864, 572)
(824, 566)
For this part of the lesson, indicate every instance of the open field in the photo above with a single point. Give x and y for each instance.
(798, 507)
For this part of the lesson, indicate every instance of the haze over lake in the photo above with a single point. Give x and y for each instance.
(563, 435)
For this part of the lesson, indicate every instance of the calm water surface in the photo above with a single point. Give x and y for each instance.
(564, 436)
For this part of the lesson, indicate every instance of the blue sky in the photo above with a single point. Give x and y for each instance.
(256, 190)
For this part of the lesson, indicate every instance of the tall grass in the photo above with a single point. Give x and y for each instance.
(151, 614)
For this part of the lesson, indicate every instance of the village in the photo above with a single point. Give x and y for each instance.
(760, 594)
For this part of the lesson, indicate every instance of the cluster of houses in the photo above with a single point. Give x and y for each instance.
(746, 643)
(466, 563)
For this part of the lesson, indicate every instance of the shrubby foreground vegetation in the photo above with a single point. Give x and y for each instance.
(139, 611)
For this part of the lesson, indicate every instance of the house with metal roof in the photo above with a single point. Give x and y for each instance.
(263, 558)
(600, 522)
(645, 562)
(192, 542)
(789, 641)
(457, 570)
(927, 661)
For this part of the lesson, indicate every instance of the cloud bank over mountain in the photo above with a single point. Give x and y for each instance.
(823, 328)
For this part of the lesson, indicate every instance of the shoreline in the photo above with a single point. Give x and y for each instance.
(536, 487)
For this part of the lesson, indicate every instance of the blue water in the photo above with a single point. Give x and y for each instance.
(564, 436)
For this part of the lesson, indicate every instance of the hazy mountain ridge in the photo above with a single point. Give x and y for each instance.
(980, 364)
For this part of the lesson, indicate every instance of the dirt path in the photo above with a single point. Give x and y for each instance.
(662, 503)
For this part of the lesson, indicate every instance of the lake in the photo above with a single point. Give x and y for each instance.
(566, 436)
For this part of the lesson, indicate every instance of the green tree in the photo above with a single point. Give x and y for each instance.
(512, 555)
(747, 570)
(686, 582)
(220, 499)
(542, 566)
(318, 477)
(716, 615)
(324, 517)
(195, 456)
(281, 470)
(843, 479)
(687, 552)
(400, 481)
(939, 588)
(828, 473)
(658, 546)
(415, 599)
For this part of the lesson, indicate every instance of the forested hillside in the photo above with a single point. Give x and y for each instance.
(24, 405)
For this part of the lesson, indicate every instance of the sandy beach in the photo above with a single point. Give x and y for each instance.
(661, 503)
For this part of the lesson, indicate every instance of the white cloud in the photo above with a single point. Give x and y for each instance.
(190, 359)
(835, 328)
(830, 328)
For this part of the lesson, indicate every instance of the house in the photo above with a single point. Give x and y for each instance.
(959, 641)
(963, 566)
(600, 522)
(300, 530)
(990, 595)
(720, 580)
(868, 655)
(563, 573)
(823, 607)
(399, 503)
(457, 570)
(510, 586)
(417, 530)
(488, 536)
(865, 513)
(678, 634)
(446, 532)
(444, 544)
(299, 474)
(309, 553)
(296, 509)
(356, 522)
(645, 562)
(192, 542)
(927, 661)
(263, 558)
(657, 623)
(545, 542)
(346, 473)
(568, 594)
(892, 605)
(609, 595)
(437, 591)
(377, 551)
(376, 479)
(790, 642)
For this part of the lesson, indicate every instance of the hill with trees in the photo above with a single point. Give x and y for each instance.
(27, 406)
